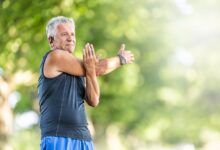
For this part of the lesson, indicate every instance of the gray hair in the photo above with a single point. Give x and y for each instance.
(52, 24)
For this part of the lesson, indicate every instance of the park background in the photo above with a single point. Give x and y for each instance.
(168, 99)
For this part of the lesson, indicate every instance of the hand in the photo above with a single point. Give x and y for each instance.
(89, 58)
(126, 57)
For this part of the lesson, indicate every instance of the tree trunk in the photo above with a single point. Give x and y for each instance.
(6, 117)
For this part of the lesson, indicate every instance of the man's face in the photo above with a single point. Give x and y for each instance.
(64, 37)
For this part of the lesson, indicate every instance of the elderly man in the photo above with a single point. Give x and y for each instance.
(64, 82)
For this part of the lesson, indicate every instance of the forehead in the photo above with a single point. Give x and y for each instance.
(64, 27)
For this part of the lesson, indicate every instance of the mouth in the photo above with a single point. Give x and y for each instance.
(71, 44)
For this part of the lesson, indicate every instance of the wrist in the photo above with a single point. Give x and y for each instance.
(122, 59)
(90, 72)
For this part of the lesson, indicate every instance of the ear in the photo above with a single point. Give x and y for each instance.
(50, 39)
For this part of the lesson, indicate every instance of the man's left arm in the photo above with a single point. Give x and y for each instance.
(105, 66)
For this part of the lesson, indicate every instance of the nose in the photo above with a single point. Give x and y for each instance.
(69, 37)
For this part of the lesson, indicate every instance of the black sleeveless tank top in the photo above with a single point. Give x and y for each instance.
(62, 111)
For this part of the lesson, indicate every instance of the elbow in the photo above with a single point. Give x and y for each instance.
(93, 105)
(94, 102)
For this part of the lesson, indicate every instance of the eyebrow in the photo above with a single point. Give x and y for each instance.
(67, 32)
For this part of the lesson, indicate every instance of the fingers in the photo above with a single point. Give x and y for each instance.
(93, 53)
(122, 47)
(89, 59)
(88, 51)
(131, 59)
(129, 56)
(92, 50)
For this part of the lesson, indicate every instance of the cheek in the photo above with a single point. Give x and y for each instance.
(60, 41)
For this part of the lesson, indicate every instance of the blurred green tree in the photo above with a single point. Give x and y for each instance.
(160, 97)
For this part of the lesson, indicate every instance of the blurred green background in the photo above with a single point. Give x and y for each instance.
(168, 99)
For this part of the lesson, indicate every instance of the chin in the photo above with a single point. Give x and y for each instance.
(70, 49)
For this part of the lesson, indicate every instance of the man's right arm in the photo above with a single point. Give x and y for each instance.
(59, 61)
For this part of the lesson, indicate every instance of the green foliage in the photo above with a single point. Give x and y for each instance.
(158, 98)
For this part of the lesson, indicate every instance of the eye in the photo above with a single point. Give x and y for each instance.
(64, 34)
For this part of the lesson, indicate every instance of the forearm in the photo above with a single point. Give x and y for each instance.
(92, 89)
(105, 66)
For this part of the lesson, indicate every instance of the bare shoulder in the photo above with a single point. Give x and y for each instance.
(50, 69)
(58, 54)
(59, 61)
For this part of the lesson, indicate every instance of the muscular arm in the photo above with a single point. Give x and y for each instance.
(59, 61)
(92, 89)
(107, 65)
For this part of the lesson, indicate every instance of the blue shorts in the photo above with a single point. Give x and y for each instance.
(63, 143)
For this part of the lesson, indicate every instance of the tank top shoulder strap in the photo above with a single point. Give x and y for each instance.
(43, 62)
